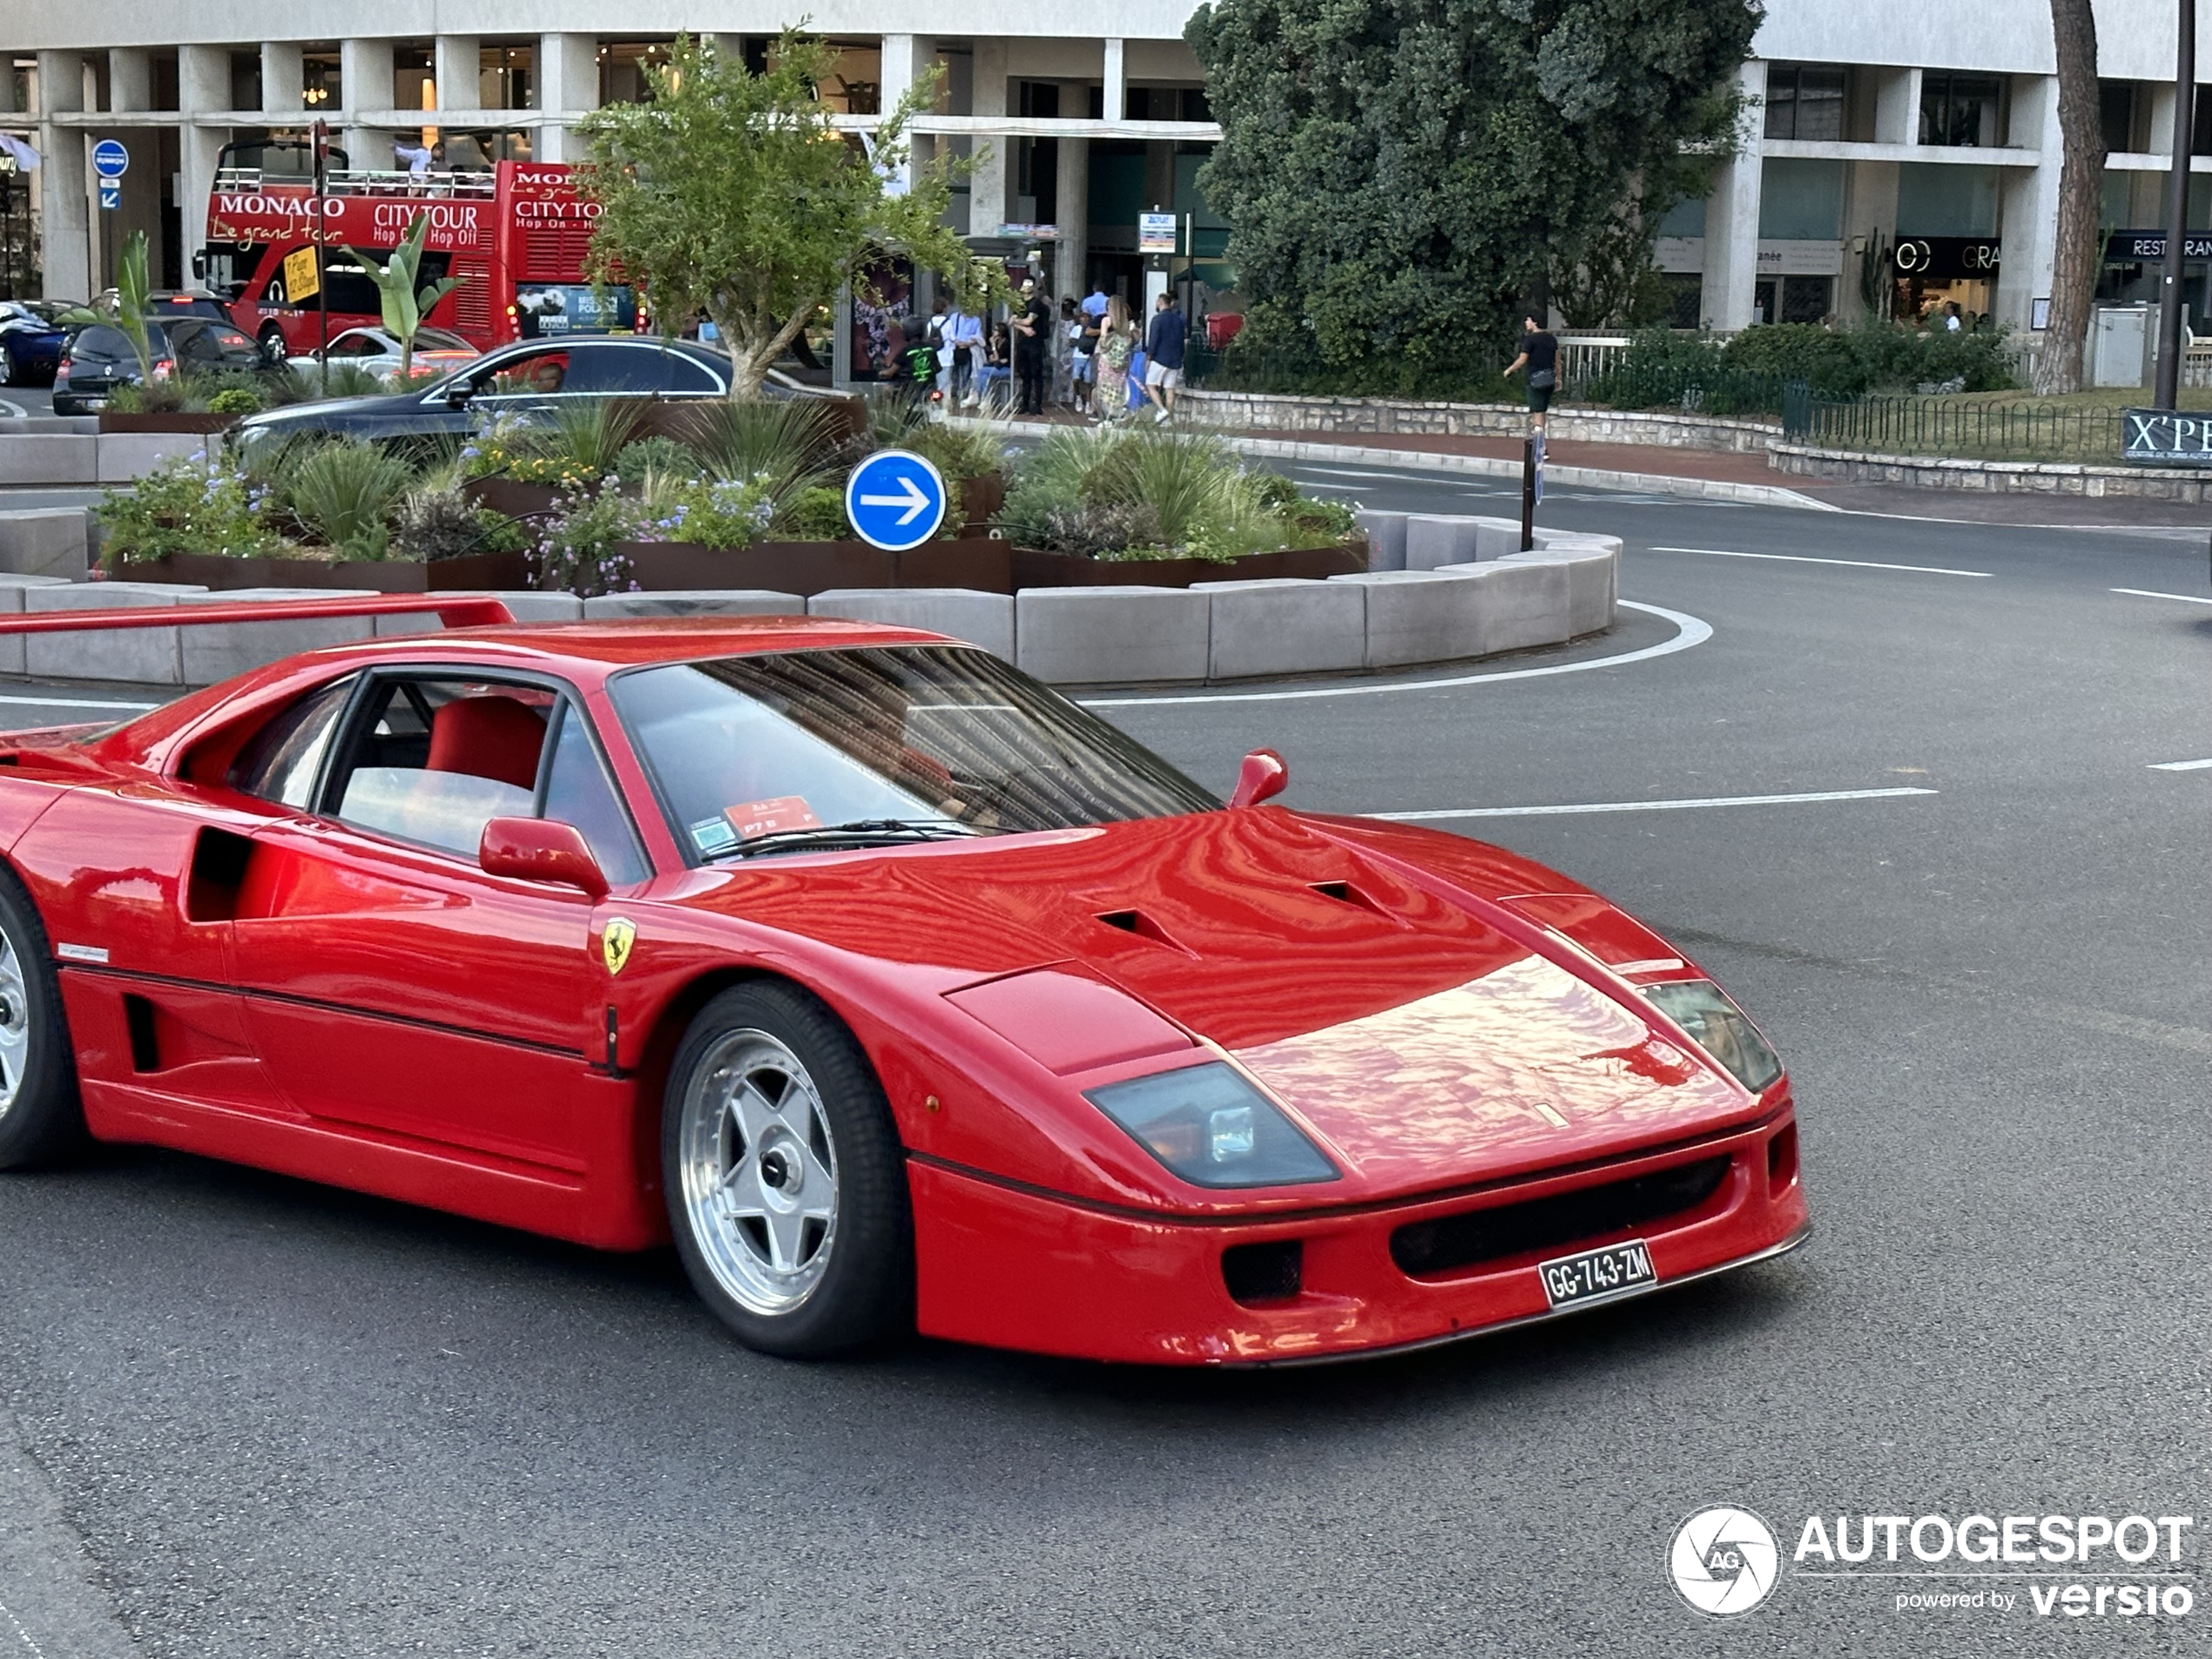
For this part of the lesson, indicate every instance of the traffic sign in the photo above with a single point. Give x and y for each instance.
(895, 500)
(110, 160)
(1155, 233)
(110, 193)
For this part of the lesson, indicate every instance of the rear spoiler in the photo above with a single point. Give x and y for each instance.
(454, 610)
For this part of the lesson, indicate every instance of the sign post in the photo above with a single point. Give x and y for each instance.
(1532, 486)
(111, 161)
(895, 500)
(315, 232)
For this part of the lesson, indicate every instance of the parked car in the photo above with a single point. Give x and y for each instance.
(437, 352)
(169, 302)
(529, 379)
(31, 342)
(100, 359)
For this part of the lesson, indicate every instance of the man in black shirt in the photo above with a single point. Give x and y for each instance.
(1032, 338)
(1540, 355)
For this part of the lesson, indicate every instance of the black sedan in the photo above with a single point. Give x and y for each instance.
(526, 379)
(31, 342)
(100, 359)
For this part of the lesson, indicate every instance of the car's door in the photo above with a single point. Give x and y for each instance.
(390, 984)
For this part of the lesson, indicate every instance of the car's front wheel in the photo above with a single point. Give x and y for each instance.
(40, 1119)
(785, 1177)
(7, 367)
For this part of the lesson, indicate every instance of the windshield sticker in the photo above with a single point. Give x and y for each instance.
(713, 835)
(754, 819)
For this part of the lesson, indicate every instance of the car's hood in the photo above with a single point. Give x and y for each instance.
(1422, 1032)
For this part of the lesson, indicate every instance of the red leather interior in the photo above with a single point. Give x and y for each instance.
(488, 736)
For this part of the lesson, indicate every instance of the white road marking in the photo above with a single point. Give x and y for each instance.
(2180, 765)
(72, 703)
(1655, 805)
(1694, 630)
(2186, 598)
(1800, 558)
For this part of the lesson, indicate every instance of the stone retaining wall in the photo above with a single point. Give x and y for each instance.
(1271, 412)
(2022, 478)
(1445, 590)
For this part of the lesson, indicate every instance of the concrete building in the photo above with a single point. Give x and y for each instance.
(1897, 157)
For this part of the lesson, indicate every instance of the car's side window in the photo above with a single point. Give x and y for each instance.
(687, 375)
(280, 761)
(577, 792)
(435, 759)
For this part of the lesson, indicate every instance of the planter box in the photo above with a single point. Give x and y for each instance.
(808, 568)
(1034, 569)
(981, 498)
(166, 422)
(495, 572)
(514, 499)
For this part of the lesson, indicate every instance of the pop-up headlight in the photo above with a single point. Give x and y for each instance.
(1212, 1128)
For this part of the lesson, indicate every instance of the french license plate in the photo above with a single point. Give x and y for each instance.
(1597, 1273)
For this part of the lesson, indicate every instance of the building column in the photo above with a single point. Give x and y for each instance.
(203, 88)
(364, 81)
(2028, 226)
(1732, 221)
(1072, 191)
(1897, 106)
(456, 68)
(568, 83)
(1869, 216)
(987, 184)
(129, 78)
(284, 78)
(65, 257)
(1114, 80)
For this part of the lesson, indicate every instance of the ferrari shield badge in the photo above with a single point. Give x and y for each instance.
(621, 934)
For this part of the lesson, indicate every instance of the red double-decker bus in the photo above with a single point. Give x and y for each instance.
(515, 236)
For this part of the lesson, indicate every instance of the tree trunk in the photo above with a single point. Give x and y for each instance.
(2075, 256)
(754, 350)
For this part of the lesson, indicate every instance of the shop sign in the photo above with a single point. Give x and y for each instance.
(1030, 232)
(2149, 247)
(1946, 258)
(2165, 438)
(1800, 259)
(1155, 233)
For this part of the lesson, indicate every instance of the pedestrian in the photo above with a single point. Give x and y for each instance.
(1951, 324)
(1083, 367)
(992, 373)
(1109, 398)
(1065, 333)
(1095, 302)
(1163, 355)
(964, 333)
(1540, 356)
(1031, 326)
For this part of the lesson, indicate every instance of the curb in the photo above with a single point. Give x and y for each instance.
(1649, 483)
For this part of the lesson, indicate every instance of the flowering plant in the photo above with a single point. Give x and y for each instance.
(188, 504)
(578, 546)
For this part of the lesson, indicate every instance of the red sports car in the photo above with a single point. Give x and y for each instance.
(896, 990)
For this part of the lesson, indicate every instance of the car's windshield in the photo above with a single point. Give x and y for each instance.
(751, 750)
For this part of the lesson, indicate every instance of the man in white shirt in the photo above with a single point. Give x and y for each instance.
(964, 334)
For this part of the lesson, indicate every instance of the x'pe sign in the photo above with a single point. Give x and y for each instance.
(895, 500)
(110, 160)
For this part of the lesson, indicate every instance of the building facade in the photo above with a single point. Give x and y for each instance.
(1896, 159)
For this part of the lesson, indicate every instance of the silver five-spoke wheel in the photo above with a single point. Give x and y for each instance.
(14, 1024)
(760, 1173)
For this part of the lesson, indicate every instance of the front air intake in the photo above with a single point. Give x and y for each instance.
(1423, 1249)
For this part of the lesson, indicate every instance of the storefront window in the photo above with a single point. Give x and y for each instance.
(623, 64)
(1804, 101)
(504, 78)
(1959, 109)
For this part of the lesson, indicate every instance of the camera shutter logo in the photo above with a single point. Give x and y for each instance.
(1724, 1560)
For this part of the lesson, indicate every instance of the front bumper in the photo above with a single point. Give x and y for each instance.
(1014, 1268)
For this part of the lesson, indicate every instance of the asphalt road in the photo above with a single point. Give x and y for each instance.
(261, 1418)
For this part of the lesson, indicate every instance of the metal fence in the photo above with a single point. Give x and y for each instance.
(1964, 427)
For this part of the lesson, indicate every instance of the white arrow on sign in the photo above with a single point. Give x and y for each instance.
(913, 501)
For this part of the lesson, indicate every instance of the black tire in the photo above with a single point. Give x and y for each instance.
(853, 1289)
(7, 367)
(42, 1120)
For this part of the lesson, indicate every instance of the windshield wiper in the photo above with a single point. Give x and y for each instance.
(858, 830)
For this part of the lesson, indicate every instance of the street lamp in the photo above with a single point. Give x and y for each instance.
(2163, 394)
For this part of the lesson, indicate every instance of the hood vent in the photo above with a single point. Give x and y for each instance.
(1345, 892)
(1136, 921)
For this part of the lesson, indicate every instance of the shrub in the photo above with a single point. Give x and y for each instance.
(815, 514)
(440, 523)
(654, 454)
(185, 505)
(790, 444)
(577, 549)
(591, 432)
(343, 491)
(151, 397)
(235, 400)
(339, 380)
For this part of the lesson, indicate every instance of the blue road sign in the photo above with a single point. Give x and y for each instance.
(110, 160)
(111, 194)
(895, 500)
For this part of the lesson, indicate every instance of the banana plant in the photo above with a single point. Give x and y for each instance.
(404, 303)
(133, 303)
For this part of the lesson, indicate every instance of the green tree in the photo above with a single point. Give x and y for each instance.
(731, 193)
(133, 303)
(404, 303)
(1401, 175)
